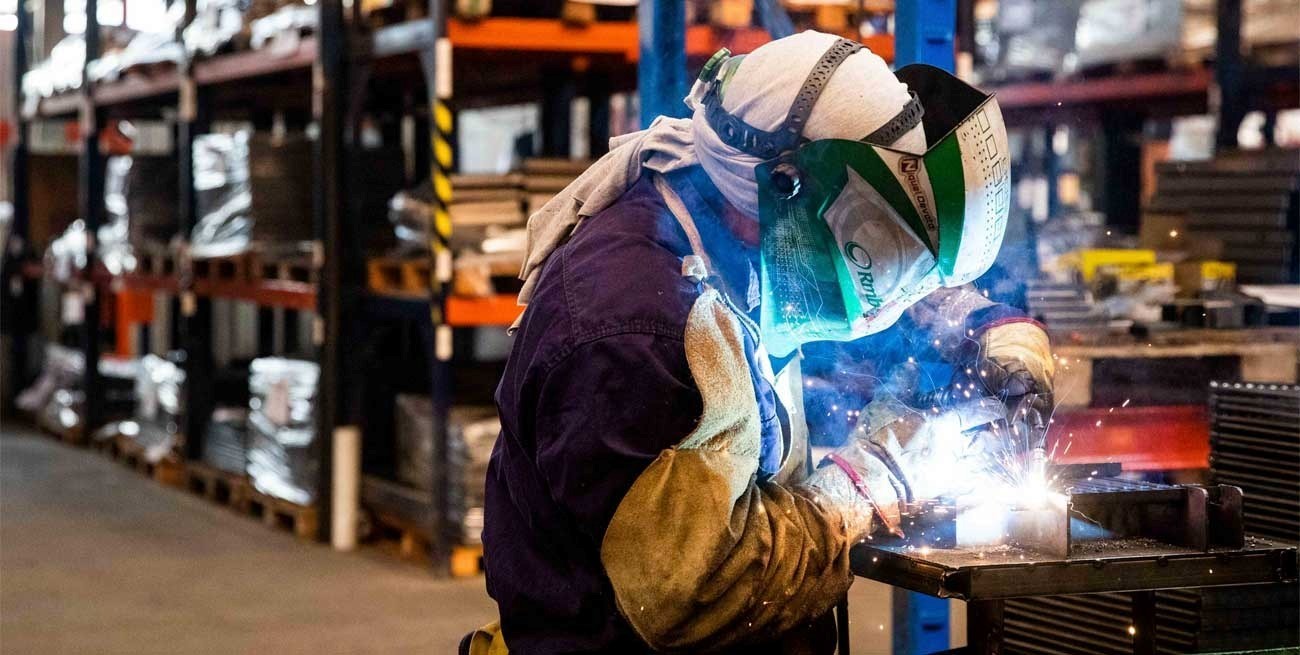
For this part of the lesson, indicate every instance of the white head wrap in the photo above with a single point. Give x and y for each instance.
(861, 96)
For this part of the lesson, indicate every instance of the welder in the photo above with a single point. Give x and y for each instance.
(652, 488)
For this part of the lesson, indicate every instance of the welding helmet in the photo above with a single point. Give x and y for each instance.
(854, 232)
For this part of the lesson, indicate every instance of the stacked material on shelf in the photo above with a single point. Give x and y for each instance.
(281, 428)
(472, 432)
(250, 189)
(1065, 306)
(157, 45)
(59, 72)
(225, 441)
(215, 24)
(478, 201)
(1255, 445)
(1030, 39)
(282, 29)
(140, 203)
(156, 425)
(56, 397)
(486, 199)
(543, 178)
(1249, 201)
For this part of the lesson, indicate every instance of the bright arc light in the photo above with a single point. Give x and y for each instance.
(8, 22)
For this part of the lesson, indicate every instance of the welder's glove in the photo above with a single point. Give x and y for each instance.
(900, 455)
(930, 453)
(1015, 361)
(861, 487)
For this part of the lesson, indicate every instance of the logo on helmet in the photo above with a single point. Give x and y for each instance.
(861, 260)
(910, 167)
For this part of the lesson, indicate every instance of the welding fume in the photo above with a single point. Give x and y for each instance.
(700, 301)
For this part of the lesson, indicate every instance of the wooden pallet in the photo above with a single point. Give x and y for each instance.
(155, 261)
(169, 471)
(291, 262)
(230, 269)
(218, 486)
(279, 513)
(74, 436)
(289, 269)
(392, 275)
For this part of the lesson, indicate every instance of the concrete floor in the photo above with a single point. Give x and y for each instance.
(95, 558)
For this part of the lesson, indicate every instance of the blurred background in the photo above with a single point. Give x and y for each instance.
(263, 252)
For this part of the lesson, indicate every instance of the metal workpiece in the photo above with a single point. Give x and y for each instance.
(1098, 535)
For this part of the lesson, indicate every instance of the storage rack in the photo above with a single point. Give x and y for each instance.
(334, 64)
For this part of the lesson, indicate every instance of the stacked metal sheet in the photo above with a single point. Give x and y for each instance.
(225, 441)
(1065, 306)
(1248, 201)
(472, 432)
(1255, 445)
(1099, 624)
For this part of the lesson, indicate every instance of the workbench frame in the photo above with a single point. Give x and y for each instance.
(986, 586)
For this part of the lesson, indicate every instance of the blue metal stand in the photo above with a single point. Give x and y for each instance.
(662, 80)
(924, 33)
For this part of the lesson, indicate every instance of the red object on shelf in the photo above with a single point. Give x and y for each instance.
(481, 312)
(1157, 438)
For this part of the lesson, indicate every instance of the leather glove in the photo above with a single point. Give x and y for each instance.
(1015, 361)
(901, 455)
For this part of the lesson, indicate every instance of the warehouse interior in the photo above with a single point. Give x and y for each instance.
(266, 262)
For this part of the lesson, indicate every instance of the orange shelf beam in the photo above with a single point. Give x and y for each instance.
(481, 312)
(610, 38)
(268, 293)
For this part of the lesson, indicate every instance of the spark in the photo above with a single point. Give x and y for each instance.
(1132, 630)
(1125, 403)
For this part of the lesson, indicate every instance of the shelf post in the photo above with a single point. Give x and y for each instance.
(1229, 73)
(18, 298)
(662, 81)
(195, 315)
(329, 108)
(924, 33)
(91, 203)
(435, 62)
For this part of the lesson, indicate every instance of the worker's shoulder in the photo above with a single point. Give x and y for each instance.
(621, 273)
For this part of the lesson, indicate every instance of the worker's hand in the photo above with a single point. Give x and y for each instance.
(930, 452)
(861, 488)
(1015, 361)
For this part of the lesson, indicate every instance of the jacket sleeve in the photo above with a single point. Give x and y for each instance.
(953, 318)
(700, 553)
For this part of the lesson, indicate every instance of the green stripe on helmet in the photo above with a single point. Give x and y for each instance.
(948, 181)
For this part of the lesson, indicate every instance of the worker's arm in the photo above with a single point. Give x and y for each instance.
(1008, 352)
(700, 553)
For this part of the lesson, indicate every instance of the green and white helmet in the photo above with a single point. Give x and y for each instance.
(853, 232)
